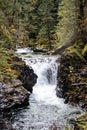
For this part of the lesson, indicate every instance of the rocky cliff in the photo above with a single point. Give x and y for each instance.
(16, 84)
(72, 83)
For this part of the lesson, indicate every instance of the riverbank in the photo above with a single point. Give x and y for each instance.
(27, 78)
(72, 80)
(14, 76)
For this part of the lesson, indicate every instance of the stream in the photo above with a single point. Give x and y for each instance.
(46, 111)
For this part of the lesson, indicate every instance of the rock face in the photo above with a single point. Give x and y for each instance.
(13, 95)
(28, 78)
(72, 84)
(49, 75)
(72, 80)
(38, 50)
(13, 91)
(5, 125)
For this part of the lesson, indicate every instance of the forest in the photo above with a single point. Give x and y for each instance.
(55, 30)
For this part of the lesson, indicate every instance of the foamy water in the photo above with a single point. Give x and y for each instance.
(46, 109)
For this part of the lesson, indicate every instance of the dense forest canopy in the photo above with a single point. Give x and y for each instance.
(30, 21)
(46, 24)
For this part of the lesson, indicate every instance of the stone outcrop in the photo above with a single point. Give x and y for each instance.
(28, 78)
(5, 125)
(72, 84)
(72, 80)
(13, 92)
(13, 95)
(38, 50)
(13, 88)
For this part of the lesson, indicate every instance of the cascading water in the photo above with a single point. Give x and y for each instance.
(46, 69)
(46, 111)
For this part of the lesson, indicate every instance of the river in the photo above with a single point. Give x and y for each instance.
(46, 111)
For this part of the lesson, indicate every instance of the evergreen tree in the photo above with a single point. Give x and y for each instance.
(47, 11)
(33, 21)
(68, 21)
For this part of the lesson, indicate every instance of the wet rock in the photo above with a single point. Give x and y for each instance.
(59, 92)
(12, 91)
(72, 80)
(49, 75)
(72, 121)
(37, 50)
(13, 95)
(72, 85)
(28, 78)
(5, 125)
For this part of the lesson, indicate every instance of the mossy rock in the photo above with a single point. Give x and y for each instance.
(81, 123)
(72, 79)
(10, 65)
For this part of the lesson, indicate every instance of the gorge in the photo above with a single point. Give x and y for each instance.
(46, 111)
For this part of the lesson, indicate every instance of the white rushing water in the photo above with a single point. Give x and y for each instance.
(46, 110)
(46, 69)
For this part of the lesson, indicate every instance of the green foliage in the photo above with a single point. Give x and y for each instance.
(33, 20)
(7, 63)
(78, 53)
(67, 23)
(47, 12)
(84, 50)
(82, 122)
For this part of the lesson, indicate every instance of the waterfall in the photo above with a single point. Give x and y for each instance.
(46, 69)
(46, 111)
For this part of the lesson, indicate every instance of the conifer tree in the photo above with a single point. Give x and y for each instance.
(47, 11)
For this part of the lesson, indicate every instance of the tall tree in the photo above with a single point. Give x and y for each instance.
(73, 25)
(47, 11)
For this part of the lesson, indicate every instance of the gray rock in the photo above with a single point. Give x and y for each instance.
(13, 95)
(5, 125)
(28, 78)
(49, 75)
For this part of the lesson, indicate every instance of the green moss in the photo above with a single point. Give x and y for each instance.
(84, 50)
(82, 122)
(9, 65)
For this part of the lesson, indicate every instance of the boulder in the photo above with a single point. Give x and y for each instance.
(5, 125)
(13, 92)
(72, 80)
(37, 50)
(49, 75)
(13, 95)
(28, 78)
